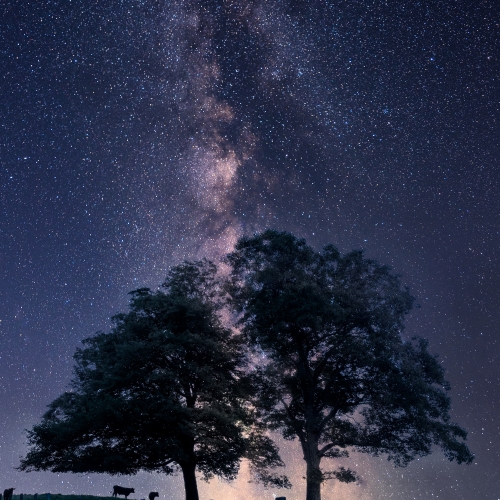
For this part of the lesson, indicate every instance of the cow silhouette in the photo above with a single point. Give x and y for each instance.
(153, 495)
(121, 490)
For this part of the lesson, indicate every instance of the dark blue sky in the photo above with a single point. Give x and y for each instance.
(135, 134)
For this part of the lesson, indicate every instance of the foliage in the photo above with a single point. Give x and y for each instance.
(164, 390)
(337, 373)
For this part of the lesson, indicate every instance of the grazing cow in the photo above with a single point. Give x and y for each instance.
(153, 495)
(7, 494)
(120, 490)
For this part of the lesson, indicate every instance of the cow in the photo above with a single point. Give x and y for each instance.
(120, 490)
(153, 495)
(7, 494)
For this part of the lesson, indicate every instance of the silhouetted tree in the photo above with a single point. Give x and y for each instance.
(336, 372)
(164, 390)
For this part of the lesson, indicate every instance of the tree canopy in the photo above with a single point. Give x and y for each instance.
(337, 373)
(170, 387)
(165, 390)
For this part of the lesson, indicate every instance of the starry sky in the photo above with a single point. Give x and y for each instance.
(135, 134)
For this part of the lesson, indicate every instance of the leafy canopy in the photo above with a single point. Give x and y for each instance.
(164, 390)
(338, 373)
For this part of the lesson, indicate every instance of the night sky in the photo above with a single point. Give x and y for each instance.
(135, 134)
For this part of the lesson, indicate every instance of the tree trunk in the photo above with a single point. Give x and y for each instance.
(313, 478)
(190, 485)
(313, 472)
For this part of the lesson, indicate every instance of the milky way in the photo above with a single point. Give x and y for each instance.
(136, 134)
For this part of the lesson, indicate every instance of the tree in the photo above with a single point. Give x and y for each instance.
(337, 374)
(164, 390)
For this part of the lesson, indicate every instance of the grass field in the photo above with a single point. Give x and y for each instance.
(58, 496)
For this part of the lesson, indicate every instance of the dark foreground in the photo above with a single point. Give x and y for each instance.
(59, 496)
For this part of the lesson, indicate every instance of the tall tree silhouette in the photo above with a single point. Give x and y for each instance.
(337, 374)
(164, 390)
